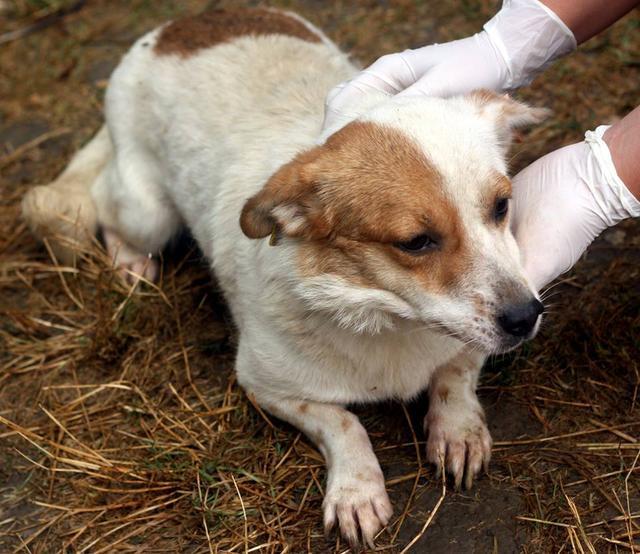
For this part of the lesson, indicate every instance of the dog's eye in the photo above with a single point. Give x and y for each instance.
(501, 208)
(418, 244)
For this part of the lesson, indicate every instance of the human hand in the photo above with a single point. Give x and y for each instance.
(563, 201)
(520, 41)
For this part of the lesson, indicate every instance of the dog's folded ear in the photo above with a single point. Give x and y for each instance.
(506, 113)
(289, 203)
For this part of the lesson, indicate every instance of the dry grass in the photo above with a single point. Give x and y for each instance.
(581, 381)
(121, 426)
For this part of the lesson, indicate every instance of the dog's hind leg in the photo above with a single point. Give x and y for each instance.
(136, 215)
(63, 212)
(356, 496)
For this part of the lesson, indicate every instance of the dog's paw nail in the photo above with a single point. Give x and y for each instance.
(361, 507)
(383, 509)
(468, 482)
(348, 524)
(458, 482)
(370, 523)
(464, 437)
(329, 519)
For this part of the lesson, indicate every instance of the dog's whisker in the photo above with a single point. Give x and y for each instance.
(554, 285)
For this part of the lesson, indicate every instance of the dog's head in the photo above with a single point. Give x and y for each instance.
(404, 212)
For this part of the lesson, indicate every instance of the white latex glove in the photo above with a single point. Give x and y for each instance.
(521, 40)
(563, 201)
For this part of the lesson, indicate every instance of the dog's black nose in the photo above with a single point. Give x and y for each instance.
(520, 319)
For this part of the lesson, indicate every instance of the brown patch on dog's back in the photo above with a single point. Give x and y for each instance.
(186, 36)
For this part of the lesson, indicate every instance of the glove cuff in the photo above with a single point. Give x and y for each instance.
(611, 194)
(529, 36)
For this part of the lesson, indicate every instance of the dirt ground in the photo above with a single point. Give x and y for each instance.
(121, 426)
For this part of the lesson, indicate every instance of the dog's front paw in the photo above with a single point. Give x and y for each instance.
(357, 499)
(458, 435)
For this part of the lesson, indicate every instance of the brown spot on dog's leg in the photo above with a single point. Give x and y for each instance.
(303, 408)
(345, 423)
(443, 394)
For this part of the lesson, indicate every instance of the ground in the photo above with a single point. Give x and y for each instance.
(121, 425)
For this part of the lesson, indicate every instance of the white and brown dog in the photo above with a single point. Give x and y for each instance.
(390, 267)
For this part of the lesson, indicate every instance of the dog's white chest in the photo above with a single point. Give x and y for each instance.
(330, 364)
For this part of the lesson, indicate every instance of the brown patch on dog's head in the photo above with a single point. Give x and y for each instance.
(353, 199)
(495, 198)
(190, 34)
(288, 203)
(501, 186)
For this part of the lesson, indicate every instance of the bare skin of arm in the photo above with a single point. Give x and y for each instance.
(623, 140)
(587, 18)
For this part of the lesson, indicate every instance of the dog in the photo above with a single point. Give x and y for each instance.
(369, 263)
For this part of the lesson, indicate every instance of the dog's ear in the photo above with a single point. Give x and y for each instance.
(289, 203)
(506, 113)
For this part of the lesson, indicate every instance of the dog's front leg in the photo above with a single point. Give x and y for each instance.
(455, 423)
(355, 495)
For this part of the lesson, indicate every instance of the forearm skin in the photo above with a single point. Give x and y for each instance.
(586, 18)
(623, 140)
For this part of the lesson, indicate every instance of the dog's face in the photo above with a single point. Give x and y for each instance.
(405, 213)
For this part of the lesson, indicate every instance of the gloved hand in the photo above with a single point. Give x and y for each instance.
(563, 201)
(521, 40)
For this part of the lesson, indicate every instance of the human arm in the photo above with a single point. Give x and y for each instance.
(519, 42)
(564, 200)
(587, 18)
(623, 140)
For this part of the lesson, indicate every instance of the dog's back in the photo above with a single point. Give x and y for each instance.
(229, 95)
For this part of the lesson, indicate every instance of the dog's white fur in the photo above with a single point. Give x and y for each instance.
(192, 138)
